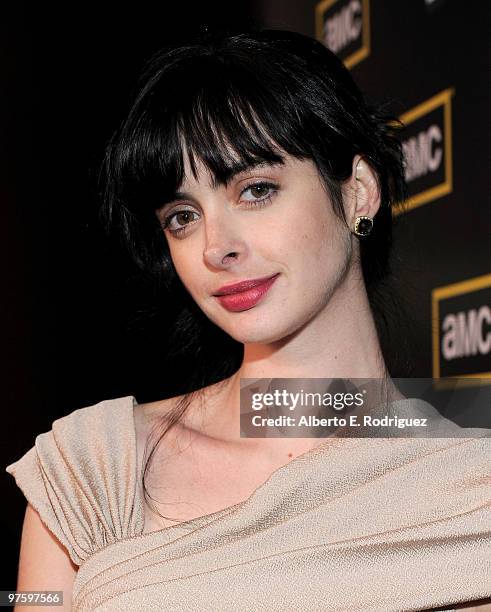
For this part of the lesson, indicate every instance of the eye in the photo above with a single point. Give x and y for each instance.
(261, 187)
(270, 190)
(180, 215)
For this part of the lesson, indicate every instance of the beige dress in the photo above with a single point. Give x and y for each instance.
(358, 524)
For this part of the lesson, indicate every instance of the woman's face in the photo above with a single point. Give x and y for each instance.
(292, 231)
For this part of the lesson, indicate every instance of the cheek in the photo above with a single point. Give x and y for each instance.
(319, 239)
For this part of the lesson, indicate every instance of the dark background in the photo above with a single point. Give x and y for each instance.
(74, 328)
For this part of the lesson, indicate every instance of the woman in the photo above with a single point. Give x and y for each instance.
(254, 157)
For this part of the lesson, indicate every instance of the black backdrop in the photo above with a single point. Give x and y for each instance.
(68, 71)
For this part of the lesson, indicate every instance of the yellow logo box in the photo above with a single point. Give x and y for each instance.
(344, 27)
(427, 144)
(461, 330)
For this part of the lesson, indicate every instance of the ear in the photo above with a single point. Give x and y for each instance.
(361, 191)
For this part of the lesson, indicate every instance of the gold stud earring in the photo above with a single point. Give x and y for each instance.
(363, 226)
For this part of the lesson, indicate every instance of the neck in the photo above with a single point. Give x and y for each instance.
(339, 342)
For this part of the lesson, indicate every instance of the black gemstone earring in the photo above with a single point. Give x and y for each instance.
(363, 226)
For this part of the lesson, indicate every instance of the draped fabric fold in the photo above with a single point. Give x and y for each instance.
(353, 524)
(81, 477)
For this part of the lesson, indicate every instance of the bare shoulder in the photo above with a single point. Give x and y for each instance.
(149, 417)
(147, 414)
(194, 413)
(44, 563)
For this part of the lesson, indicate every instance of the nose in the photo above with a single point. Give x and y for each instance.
(224, 246)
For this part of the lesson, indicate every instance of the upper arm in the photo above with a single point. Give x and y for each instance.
(44, 563)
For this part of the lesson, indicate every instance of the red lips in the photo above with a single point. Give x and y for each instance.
(242, 286)
(237, 301)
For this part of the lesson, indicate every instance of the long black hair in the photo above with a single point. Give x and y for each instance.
(250, 96)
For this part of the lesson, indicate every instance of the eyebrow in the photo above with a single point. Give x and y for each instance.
(233, 171)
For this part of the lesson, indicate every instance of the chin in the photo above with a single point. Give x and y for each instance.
(260, 330)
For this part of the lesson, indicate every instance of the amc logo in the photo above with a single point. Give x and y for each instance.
(344, 27)
(427, 147)
(461, 329)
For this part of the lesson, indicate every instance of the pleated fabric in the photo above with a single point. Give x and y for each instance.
(353, 524)
(81, 477)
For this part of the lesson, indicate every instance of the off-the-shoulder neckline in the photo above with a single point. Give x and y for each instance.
(132, 404)
(196, 522)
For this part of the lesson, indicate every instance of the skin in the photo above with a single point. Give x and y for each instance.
(315, 322)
